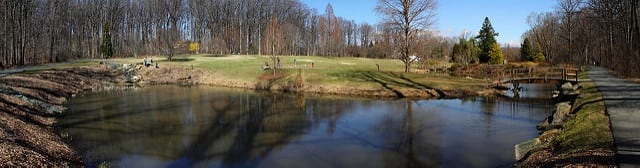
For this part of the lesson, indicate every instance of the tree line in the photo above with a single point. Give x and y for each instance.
(601, 32)
(41, 31)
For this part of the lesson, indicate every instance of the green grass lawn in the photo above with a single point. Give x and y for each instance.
(328, 71)
(589, 128)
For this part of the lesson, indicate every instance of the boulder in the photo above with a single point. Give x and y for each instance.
(545, 124)
(126, 66)
(567, 86)
(522, 150)
(561, 114)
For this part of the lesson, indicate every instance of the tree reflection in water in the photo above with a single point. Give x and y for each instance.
(213, 127)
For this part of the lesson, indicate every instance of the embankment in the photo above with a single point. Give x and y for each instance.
(577, 134)
(29, 105)
(294, 82)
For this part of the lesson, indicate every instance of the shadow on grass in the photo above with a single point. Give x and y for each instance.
(214, 55)
(177, 60)
(598, 160)
(388, 80)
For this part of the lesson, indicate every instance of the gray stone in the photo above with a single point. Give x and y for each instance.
(561, 114)
(523, 149)
(567, 86)
(545, 124)
(46, 107)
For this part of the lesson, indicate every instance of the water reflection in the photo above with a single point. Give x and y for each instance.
(169, 126)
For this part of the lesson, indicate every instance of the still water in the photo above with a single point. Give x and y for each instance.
(173, 126)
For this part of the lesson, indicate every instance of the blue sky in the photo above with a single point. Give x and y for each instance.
(508, 17)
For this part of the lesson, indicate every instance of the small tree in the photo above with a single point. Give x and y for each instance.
(495, 54)
(537, 55)
(526, 52)
(194, 47)
(465, 51)
(107, 47)
(486, 40)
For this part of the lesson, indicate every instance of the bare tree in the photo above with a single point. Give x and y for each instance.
(407, 18)
(544, 31)
(275, 42)
(366, 31)
(569, 9)
(41, 31)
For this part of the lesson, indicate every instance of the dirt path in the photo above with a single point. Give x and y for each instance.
(29, 103)
(622, 99)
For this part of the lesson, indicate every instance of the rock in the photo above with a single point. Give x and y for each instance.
(560, 114)
(545, 124)
(547, 137)
(545, 141)
(129, 73)
(433, 93)
(567, 86)
(577, 86)
(555, 94)
(135, 79)
(46, 108)
(523, 149)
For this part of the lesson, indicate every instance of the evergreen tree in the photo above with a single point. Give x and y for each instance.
(537, 55)
(107, 47)
(486, 39)
(526, 52)
(495, 54)
(465, 51)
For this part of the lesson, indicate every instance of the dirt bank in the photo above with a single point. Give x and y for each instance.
(292, 83)
(29, 103)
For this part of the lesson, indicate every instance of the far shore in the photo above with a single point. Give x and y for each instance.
(335, 76)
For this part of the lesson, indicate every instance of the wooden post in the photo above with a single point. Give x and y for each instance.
(530, 75)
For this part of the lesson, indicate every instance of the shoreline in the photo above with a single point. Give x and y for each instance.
(288, 84)
(576, 134)
(31, 103)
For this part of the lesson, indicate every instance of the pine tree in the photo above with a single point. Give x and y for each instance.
(537, 55)
(486, 39)
(495, 54)
(107, 47)
(526, 52)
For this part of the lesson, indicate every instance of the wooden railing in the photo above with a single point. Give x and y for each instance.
(533, 75)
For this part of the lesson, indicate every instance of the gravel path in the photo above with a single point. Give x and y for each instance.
(622, 99)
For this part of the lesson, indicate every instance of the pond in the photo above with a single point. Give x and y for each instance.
(173, 126)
